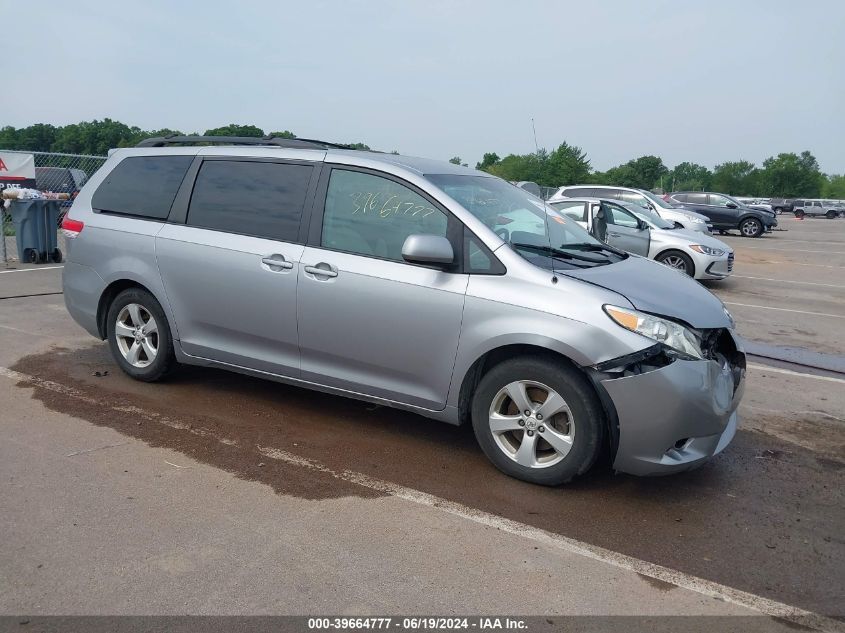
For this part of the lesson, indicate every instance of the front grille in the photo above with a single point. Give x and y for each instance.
(730, 261)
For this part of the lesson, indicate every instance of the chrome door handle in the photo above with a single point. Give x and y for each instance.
(276, 263)
(322, 272)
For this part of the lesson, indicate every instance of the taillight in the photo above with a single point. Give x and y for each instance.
(71, 228)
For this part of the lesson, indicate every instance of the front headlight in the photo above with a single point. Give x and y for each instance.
(706, 250)
(664, 331)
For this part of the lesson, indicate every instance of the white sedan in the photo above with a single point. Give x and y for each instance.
(636, 230)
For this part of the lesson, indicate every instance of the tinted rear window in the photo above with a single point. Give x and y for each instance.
(696, 198)
(250, 198)
(580, 192)
(603, 192)
(142, 186)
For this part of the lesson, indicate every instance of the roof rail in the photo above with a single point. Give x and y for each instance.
(277, 141)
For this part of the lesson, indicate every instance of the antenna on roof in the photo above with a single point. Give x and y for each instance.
(545, 209)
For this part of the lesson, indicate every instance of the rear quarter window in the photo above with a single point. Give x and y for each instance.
(142, 186)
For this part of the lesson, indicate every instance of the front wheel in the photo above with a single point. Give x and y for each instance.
(831, 215)
(538, 420)
(677, 260)
(139, 336)
(751, 227)
(799, 214)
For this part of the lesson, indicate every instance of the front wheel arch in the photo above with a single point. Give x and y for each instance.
(674, 251)
(493, 357)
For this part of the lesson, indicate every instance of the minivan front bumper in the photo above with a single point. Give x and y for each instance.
(676, 417)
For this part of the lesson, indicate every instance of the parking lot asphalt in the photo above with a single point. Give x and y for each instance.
(218, 493)
(788, 287)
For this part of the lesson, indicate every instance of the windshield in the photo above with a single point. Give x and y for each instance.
(658, 201)
(649, 216)
(527, 223)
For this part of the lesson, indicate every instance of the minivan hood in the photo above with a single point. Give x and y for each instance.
(658, 289)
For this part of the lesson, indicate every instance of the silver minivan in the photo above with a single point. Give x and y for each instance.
(412, 283)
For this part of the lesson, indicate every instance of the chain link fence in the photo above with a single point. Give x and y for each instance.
(54, 173)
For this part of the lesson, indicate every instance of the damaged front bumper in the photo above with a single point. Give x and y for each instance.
(673, 416)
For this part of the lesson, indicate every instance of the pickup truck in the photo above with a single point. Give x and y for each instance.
(782, 205)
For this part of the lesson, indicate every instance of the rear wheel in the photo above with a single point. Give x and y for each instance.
(139, 336)
(778, 210)
(831, 214)
(677, 260)
(751, 227)
(538, 420)
(799, 214)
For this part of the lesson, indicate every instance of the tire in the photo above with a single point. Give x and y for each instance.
(777, 210)
(751, 227)
(56, 255)
(578, 430)
(677, 260)
(831, 215)
(799, 214)
(30, 256)
(135, 307)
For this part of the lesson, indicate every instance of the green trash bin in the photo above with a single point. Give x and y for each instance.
(36, 230)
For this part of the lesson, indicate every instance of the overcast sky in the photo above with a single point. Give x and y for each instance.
(705, 81)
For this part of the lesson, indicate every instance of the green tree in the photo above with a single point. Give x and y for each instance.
(455, 160)
(233, 129)
(644, 172)
(834, 187)
(285, 134)
(95, 137)
(516, 167)
(488, 160)
(567, 165)
(688, 177)
(790, 175)
(737, 178)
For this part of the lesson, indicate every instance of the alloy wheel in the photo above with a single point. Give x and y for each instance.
(750, 228)
(136, 334)
(532, 424)
(676, 262)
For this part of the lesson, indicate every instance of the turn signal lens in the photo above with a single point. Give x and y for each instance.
(624, 318)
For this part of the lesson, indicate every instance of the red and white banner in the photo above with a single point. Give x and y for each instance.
(17, 170)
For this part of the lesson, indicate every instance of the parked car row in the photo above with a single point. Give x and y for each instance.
(640, 231)
(700, 211)
(683, 218)
(415, 284)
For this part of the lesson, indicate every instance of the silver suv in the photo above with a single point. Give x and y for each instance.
(408, 282)
(682, 218)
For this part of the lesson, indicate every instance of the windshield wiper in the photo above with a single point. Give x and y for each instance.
(558, 252)
(591, 247)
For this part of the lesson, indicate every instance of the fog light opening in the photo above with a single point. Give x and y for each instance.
(682, 444)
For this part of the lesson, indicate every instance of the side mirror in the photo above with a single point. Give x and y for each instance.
(642, 226)
(730, 205)
(428, 250)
